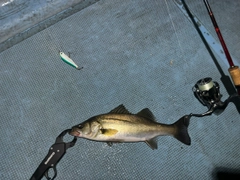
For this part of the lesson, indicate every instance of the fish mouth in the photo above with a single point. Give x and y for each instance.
(74, 133)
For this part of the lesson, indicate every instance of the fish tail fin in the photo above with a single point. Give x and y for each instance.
(181, 132)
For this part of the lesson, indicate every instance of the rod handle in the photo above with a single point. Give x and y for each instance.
(235, 74)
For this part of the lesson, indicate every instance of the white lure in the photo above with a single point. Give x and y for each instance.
(68, 60)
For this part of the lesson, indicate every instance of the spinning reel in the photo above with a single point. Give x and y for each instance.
(208, 94)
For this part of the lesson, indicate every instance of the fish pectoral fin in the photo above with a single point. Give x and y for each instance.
(109, 132)
(152, 143)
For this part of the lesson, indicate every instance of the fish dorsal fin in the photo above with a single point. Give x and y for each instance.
(152, 143)
(146, 113)
(119, 110)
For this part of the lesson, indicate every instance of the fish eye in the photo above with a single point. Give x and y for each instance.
(80, 126)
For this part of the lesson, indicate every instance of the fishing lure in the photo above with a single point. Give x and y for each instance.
(68, 60)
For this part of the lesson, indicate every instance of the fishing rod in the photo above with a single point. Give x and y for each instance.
(233, 70)
(206, 90)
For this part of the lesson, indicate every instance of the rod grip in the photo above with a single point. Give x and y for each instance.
(235, 74)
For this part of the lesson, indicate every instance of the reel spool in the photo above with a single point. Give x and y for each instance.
(207, 92)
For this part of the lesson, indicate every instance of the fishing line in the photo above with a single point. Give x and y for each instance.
(175, 31)
(179, 44)
(54, 43)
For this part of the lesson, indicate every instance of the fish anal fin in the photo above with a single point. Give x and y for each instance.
(146, 113)
(119, 110)
(109, 132)
(152, 143)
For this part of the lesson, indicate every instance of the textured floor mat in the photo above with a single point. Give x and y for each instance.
(137, 53)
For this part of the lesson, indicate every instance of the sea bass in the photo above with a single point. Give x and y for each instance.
(119, 125)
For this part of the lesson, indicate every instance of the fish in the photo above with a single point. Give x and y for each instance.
(119, 125)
